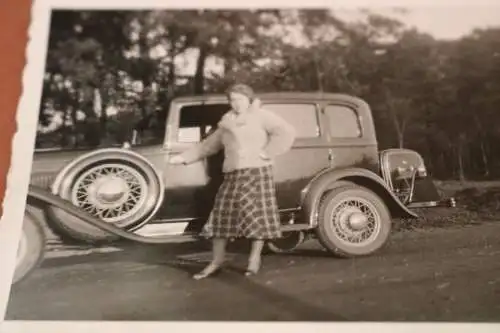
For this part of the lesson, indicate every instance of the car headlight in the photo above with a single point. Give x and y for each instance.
(421, 171)
(408, 172)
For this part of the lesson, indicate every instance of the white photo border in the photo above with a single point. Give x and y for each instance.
(22, 157)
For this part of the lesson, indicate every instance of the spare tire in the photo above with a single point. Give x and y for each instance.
(31, 248)
(290, 241)
(116, 185)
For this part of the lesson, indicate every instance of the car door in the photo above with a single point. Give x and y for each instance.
(309, 154)
(352, 140)
(190, 189)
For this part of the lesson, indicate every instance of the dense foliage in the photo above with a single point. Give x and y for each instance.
(438, 97)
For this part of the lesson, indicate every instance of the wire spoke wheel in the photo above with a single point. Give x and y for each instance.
(353, 221)
(117, 186)
(111, 192)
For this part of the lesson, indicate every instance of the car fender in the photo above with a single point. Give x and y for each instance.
(39, 197)
(331, 178)
(120, 154)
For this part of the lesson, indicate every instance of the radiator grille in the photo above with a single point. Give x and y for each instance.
(42, 180)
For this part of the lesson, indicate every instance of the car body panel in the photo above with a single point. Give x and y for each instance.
(336, 141)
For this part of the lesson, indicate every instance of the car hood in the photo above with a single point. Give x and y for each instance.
(47, 163)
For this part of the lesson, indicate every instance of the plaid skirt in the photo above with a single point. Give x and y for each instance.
(245, 206)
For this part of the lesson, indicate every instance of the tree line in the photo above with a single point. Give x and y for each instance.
(108, 71)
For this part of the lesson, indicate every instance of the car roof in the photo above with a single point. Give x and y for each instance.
(289, 95)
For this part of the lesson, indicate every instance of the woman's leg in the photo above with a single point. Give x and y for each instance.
(218, 257)
(219, 250)
(254, 258)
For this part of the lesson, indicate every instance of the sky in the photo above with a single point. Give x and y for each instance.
(444, 22)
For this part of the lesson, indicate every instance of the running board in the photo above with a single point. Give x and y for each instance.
(41, 197)
(295, 227)
(192, 236)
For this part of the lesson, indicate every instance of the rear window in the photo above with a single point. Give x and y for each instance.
(343, 121)
(303, 117)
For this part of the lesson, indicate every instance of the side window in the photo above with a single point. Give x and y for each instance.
(197, 121)
(301, 116)
(343, 121)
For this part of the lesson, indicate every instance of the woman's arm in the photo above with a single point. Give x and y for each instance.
(281, 134)
(209, 146)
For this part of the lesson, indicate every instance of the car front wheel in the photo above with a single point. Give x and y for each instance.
(353, 221)
(123, 193)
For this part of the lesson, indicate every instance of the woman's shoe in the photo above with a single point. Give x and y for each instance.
(210, 270)
(253, 268)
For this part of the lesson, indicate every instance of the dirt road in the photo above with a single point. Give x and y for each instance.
(448, 274)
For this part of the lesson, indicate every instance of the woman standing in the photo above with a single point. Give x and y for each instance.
(245, 204)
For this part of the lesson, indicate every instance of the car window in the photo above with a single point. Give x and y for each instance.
(343, 121)
(196, 121)
(301, 116)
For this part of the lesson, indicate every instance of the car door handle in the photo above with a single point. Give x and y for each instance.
(330, 156)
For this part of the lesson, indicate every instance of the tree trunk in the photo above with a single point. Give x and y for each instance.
(99, 108)
(460, 156)
(398, 126)
(64, 130)
(442, 165)
(319, 75)
(75, 129)
(484, 155)
(229, 65)
(402, 131)
(171, 80)
(199, 77)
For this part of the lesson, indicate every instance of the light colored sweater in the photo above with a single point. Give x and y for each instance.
(252, 139)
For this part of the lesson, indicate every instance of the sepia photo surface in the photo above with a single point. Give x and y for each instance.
(145, 189)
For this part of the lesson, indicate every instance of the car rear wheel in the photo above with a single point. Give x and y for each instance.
(31, 248)
(125, 193)
(353, 221)
(288, 243)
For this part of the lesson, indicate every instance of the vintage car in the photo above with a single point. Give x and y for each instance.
(334, 184)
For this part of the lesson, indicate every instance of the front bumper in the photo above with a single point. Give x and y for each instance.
(448, 203)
